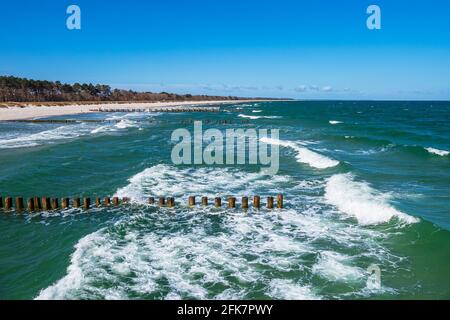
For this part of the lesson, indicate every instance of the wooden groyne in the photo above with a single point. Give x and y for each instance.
(35, 204)
(159, 110)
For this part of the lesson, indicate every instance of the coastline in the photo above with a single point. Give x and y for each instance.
(33, 111)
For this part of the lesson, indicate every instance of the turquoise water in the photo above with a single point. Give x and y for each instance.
(365, 183)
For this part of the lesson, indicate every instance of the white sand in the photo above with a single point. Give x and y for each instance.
(32, 112)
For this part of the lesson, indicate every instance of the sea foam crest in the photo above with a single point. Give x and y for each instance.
(438, 152)
(305, 155)
(360, 200)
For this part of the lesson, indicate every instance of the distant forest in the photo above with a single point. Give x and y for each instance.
(13, 89)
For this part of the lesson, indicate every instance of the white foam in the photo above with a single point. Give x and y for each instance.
(47, 136)
(361, 201)
(257, 111)
(334, 122)
(258, 117)
(159, 181)
(188, 254)
(305, 155)
(336, 267)
(289, 290)
(441, 153)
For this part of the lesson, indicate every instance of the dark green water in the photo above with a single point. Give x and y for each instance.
(361, 187)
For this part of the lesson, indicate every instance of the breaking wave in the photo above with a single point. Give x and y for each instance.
(304, 155)
(361, 201)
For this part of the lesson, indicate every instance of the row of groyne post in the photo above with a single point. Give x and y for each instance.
(34, 204)
(159, 110)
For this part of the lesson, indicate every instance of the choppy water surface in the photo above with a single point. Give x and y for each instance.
(365, 183)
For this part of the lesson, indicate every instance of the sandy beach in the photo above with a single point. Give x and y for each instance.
(33, 112)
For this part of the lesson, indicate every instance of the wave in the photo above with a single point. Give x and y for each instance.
(335, 266)
(334, 122)
(257, 111)
(158, 181)
(304, 155)
(48, 136)
(438, 152)
(258, 117)
(201, 253)
(361, 201)
(64, 133)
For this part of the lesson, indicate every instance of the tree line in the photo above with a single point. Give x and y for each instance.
(14, 89)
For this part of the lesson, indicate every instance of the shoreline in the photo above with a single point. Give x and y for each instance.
(33, 111)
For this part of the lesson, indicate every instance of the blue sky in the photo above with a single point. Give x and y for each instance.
(318, 49)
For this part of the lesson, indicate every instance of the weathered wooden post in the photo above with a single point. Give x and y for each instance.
(126, 200)
(231, 202)
(98, 202)
(46, 204)
(191, 201)
(107, 201)
(256, 202)
(55, 205)
(65, 203)
(162, 201)
(280, 201)
(76, 203)
(37, 203)
(86, 203)
(205, 201)
(151, 200)
(8, 203)
(30, 205)
(218, 202)
(19, 204)
(244, 202)
(115, 201)
(269, 202)
(171, 202)
(1, 202)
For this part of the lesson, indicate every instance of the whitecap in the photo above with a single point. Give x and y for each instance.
(305, 155)
(438, 152)
(360, 200)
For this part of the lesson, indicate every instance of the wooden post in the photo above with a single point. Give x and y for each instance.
(30, 205)
(171, 202)
(19, 204)
(76, 203)
(256, 202)
(1, 202)
(115, 201)
(231, 202)
(65, 203)
(86, 203)
(126, 200)
(162, 202)
(46, 204)
(8, 203)
(205, 201)
(98, 202)
(269, 202)
(218, 202)
(55, 205)
(191, 201)
(151, 200)
(37, 203)
(280, 201)
(107, 201)
(244, 202)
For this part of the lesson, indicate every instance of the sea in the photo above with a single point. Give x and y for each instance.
(366, 214)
